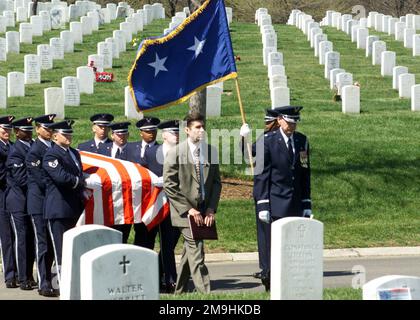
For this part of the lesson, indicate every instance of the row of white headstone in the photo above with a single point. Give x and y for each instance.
(339, 79)
(273, 60)
(402, 81)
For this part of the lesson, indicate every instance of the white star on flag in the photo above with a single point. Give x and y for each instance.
(158, 65)
(197, 47)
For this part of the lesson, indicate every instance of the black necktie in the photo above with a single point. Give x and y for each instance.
(290, 149)
(118, 154)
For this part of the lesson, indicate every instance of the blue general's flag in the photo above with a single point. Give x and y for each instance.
(170, 69)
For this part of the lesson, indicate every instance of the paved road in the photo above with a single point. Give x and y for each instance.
(237, 276)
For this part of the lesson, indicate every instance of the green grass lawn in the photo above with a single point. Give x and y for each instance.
(365, 168)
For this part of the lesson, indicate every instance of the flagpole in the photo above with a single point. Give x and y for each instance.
(241, 108)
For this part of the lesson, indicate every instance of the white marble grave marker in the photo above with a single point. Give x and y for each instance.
(15, 84)
(70, 86)
(405, 82)
(350, 99)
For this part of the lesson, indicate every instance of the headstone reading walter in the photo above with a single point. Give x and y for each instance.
(415, 97)
(86, 78)
(388, 59)
(130, 110)
(57, 48)
(76, 242)
(54, 101)
(3, 93)
(15, 84)
(296, 259)
(377, 48)
(3, 52)
(405, 82)
(280, 97)
(392, 287)
(350, 99)
(45, 56)
(369, 44)
(332, 61)
(395, 75)
(32, 66)
(70, 86)
(119, 272)
(214, 101)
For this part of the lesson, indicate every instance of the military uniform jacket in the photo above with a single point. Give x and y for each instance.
(106, 150)
(4, 152)
(181, 182)
(283, 187)
(90, 146)
(36, 177)
(153, 159)
(134, 152)
(64, 198)
(16, 178)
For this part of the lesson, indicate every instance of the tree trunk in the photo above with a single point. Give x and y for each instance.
(198, 101)
(34, 7)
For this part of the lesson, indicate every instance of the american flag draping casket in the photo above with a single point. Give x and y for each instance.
(123, 193)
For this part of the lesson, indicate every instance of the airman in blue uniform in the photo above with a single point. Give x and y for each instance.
(64, 202)
(100, 128)
(283, 188)
(6, 231)
(16, 196)
(153, 160)
(35, 203)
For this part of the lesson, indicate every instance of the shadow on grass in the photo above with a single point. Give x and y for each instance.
(338, 273)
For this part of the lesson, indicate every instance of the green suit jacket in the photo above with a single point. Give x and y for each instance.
(181, 181)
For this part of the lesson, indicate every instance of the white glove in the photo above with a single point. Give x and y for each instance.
(264, 216)
(245, 130)
(93, 181)
(159, 182)
(307, 213)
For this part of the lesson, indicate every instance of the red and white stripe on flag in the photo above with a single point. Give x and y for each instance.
(123, 193)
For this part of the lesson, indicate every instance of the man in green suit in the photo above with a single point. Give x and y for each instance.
(192, 183)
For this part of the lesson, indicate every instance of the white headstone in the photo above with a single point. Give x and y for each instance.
(266, 53)
(119, 272)
(112, 7)
(416, 22)
(86, 78)
(378, 22)
(280, 97)
(121, 12)
(278, 81)
(25, 33)
(46, 20)
(275, 58)
(332, 61)
(388, 60)
(94, 20)
(270, 40)
(353, 31)
(214, 101)
(87, 23)
(377, 48)
(313, 33)
(45, 56)
(3, 92)
(324, 48)
(3, 52)
(385, 23)
(105, 49)
(57, 18)
(333, 74)
(10, 18)
(296, 259)
(405, 82)
(119, 36)
(415, 98)
(70, 86)
(391, 26)
(127, 27)
(369, 44)
(98, 61)
(396, 71)
(76, 242)
(54, 101)
(77, 29)
(2, 24)
(343, 79)
(350, 98)
(21, 15)
(32, 69)
(37, 29)
(405, 287)
(399, 31)
(276, 70)
(57, 48)
(130, 109)
(68, 41)
(318, 39)
(408, 37)
(15, 84)
(362, 34)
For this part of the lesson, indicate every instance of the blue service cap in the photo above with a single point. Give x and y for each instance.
(289, 113)
(103, 119)
(170, 125)
(148, 123)
(63, 127)
(120, 127)
(24, 124)
(45, 120)
(6, 122)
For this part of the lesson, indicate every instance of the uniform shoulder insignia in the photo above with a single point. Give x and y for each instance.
(36, 164)
(53, 164)
(18, 165)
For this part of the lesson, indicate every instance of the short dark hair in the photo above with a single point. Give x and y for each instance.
(194, 116)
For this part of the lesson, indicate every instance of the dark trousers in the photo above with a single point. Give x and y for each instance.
(264, 245)
(56, 228)
(7, 240)
(124, 229)
(43, 250)
(24, 245)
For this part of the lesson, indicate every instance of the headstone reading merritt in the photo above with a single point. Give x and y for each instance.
(76, 242)
(119, 272)
(296, 259)
(393, 287)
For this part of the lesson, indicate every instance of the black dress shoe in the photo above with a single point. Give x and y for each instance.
(170, 288)
(48, 293)
(26, 285)
(257, 275)
(11, 284)
(33, 283)
(266, 282)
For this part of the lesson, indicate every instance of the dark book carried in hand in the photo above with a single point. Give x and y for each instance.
(202, 232)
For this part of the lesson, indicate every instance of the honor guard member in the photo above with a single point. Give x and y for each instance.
(100, 128)
(148, 131)
(283, 189)
(64, 202)
(35, 203)
(263, 229)
(16, 196)
(118, 150)
(154, 159)
(6, 231)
